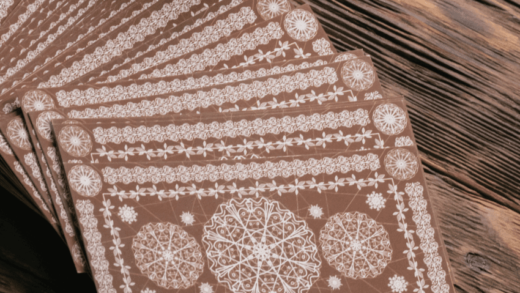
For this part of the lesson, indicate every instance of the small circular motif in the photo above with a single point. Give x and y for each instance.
(389, 119)
(37, 100)
(358, 74)
(75, 141)
(272, 8)
(43, 123)
(17, 133)
(301, 25)
(168, 255)
(355, 245)
(85, 180)
(401, 164)
(258, 246)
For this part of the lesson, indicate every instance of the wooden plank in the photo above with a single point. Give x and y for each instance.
(454, 62)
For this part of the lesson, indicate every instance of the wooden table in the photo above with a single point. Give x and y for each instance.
(457, 63)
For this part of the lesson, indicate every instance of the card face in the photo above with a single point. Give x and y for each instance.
(354, 222)
(238, 135)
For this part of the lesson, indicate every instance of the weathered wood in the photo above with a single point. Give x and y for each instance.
(454, 61)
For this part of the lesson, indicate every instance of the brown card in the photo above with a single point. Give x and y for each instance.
(346, 222)
(296, 34)
(217, 22)
(137, 28)
(237, 135)
(14, 130)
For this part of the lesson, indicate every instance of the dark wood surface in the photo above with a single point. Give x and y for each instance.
(457, 63)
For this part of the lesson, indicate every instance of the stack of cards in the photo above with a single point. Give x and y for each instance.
(216, 146)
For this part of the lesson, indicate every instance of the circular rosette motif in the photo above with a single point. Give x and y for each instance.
(37, 100)
(358, 74)
(258, 246)
(168, 255)
(18, 135)
(272, 8)
(75, 141)
(301, 25)
(85, 180)
(355, 245)
(401, 164)
(389, 119)
(43, 123)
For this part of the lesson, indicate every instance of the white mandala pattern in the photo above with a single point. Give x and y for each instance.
(17, 133)
(401, 164)
(43, 123)
(258, 246)
(168, 255)
(316, 211)
(37, 100)
(127, 214)
(398, 284)
(206, 288)
(187, 218)
(334, 282)
(355, 245)
(84, 180)
(272, 8)
(376, 201)
(75, 141)
(358, 74)
(301, 25)
(389, 119)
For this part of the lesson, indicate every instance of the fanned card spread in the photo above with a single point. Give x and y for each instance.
(212, 146)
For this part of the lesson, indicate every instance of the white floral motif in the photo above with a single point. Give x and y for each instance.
(322, 47)
(43, 123)
(84, 180)
(107, 93)
(222, 52)
(272, 8)
(258, 246)
(147, 290)
(345, 57)
(316, 211)
(375, 95)
(240, 171)
(124, 40)
(358, 74)
(401, 164)
(10, 107)
(209, 35)
(334, 282)
(301, 25)
(36, 100)
(397, 284)
(22, 18)
(77, 254)
(402, 141)
(75, 141)
(4, 6)
(389, 119)
(90, 232)
(229, 94)
(17, 133)
(127, 214)
(426, 233)
(4, 146)
(187, 218)
(355, 245)
(375, 201)
(218, 130)
(31, 161)
(205, 288)
(168, 255)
